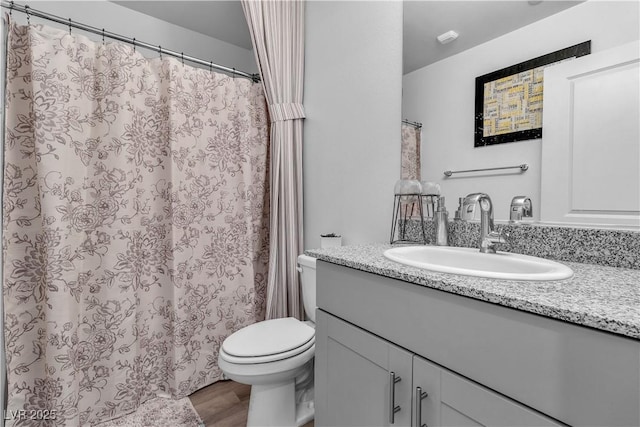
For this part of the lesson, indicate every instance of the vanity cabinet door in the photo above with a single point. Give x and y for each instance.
(426, 376)
(353, 377)
(467, 403)
(455, 401)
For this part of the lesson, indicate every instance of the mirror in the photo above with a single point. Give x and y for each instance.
(439, 82)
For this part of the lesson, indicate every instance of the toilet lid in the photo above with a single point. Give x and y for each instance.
(270, 337)
(298, 351)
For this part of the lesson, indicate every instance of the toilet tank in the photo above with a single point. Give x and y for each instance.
(307, 269)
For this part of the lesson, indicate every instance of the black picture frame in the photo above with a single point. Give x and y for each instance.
(480, 140)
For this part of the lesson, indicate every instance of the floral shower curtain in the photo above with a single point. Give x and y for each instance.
(410, 162)
(135, 224)
(410, 152)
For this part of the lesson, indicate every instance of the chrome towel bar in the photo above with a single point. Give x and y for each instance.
(523, 167)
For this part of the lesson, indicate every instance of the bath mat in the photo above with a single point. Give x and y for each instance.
(160, 412)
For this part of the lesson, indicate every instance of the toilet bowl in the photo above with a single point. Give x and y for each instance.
(275, 357)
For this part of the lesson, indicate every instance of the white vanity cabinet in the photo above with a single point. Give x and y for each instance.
(480, 363)
(355, 386)
(452, 400)
(356, 377)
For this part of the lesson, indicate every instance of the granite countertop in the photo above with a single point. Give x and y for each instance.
(605, 298)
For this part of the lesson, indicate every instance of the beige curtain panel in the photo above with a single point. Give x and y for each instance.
(136, 223)
(277, 32)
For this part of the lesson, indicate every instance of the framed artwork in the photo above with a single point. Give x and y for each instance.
(509, 101)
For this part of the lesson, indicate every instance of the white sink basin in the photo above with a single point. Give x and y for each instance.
(471, 262)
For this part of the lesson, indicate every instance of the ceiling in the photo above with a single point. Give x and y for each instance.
(477, 21)
(222, 20)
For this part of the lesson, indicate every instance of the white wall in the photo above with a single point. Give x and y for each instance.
(129, 23)
(352, 98)
(441, 96)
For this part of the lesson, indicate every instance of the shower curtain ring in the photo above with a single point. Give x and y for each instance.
(11, 9)
(69, 26)
(182, 58)
(103, 36)
(210, 66)
(26, 9)
(134, 44)
(160, 47)
(233, 76)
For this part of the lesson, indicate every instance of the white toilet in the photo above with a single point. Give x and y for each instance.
(276, 358)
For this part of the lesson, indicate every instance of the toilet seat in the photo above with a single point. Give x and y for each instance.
(268, 341)
(267, 373)
(269, 358)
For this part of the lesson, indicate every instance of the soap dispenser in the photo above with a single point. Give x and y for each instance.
(459, 215)
(442, 220)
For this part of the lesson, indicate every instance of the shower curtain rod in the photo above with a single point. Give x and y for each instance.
(414, 124)
(101, 32)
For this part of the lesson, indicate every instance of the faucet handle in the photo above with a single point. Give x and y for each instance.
(521, 207)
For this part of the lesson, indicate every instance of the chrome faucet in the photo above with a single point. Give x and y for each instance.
(521, 207)
(488, 236)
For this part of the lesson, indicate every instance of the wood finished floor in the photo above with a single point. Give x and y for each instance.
(224, 404)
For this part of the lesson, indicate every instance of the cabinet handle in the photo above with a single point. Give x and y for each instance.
(392, 396)
(420, 395)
